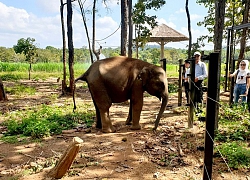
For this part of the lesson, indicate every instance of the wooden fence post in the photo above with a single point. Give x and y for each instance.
(211, 113)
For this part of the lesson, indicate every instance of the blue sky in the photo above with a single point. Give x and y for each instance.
(40, 19)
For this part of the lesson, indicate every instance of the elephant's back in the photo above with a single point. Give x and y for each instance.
(122, 61)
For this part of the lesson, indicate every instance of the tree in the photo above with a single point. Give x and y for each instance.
(97, 53)
(234, 10)
(64, 86)
(130, 25)
(27, 47)
(142, 20)
(86, 28)
(189, 31)
(124, 26)
(71, 48)
(244, 32)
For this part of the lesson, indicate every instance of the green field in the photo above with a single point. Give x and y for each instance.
(16, 71)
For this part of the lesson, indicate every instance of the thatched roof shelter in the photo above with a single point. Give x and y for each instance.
(163, 34)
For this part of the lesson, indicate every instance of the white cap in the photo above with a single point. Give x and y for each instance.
(197, 53)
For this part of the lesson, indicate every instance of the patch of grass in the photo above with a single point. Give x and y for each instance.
(173, 88)
(10, 77)
(236, 154)
(46, 120)
(10, 139)
(21, 90)
(17, 71)
(232, 135)
(234, 124)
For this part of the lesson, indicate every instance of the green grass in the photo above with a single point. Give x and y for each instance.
(42, 121)
(21, 89)
(18, 71)
(233, 135)
(236, 154)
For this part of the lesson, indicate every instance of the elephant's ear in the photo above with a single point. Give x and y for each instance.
(144, 75)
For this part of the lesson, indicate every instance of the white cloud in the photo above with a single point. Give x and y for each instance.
(181, 10)
(196, 33)
(18, 23)
(12, 18)
(195, 17)
(51, 6)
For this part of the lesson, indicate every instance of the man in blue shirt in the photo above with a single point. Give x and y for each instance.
(200, 75)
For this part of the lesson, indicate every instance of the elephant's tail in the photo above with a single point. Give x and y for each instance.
(83, 77)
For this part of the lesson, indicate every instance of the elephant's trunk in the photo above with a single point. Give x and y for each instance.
(163, 106)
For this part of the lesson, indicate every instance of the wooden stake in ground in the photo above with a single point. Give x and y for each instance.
(3, 96)
(67, 159)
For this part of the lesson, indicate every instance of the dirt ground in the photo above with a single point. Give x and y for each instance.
(173, 152)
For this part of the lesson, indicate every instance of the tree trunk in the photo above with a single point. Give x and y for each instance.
(218, 37)
(70, 47)
(66, 159)
(130, 24)
(124, 26)
(3, 96)
(189, 31)
(64, 85)
(93, 39)
(244, 32)
(29, 71)
(86, 29)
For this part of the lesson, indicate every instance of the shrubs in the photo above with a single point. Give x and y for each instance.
(233, 136)
(236, 154)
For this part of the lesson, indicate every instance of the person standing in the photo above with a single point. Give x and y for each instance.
(241, 86)
(200, 75)
(186, 79)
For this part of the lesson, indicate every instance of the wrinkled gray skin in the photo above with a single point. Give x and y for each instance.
(117, 79)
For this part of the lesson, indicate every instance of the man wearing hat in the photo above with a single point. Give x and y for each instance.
(200, 75)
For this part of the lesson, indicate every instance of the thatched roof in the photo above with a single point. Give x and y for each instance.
(163, 33)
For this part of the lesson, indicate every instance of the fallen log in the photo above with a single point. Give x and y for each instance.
(67, 159)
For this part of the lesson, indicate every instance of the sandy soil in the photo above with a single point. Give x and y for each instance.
(173, 152)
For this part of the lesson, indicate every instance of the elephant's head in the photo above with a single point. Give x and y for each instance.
(155, 82)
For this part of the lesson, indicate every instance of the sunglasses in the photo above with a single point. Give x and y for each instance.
(243, 64)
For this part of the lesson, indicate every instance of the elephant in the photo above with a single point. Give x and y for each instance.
(118, 79)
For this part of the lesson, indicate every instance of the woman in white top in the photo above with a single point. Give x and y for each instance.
(241, 87)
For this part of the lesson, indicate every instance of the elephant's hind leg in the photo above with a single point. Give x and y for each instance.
(98, 117)
(107, 126)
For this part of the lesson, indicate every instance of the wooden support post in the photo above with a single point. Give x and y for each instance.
(191, 95)
(164, 64)
(211, 114)
(67, 159)
(181, 68)
(3, 96)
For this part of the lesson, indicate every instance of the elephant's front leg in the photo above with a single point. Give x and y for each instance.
(107, 126)
(136, 105)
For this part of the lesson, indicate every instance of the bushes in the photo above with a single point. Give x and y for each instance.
(236, 154)
(233, 136)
